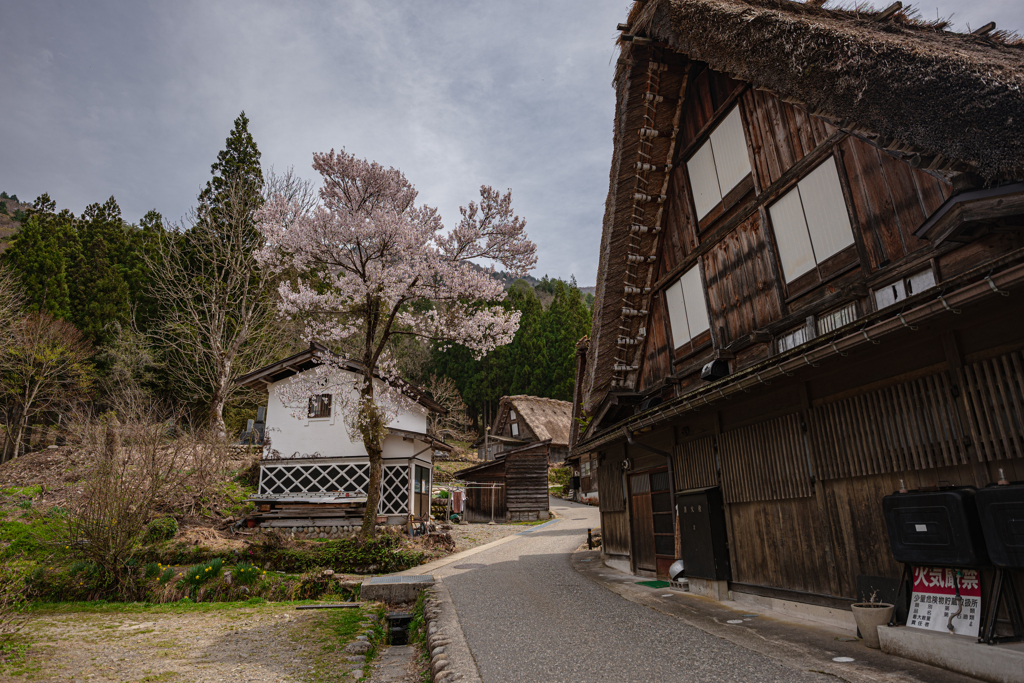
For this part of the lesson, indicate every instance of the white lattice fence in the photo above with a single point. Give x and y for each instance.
(282, 479)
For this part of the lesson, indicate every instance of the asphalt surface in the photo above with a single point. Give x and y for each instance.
(528, 616)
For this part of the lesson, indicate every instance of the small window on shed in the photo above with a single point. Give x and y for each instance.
(687, 310)
(515, 429)
(811, 222)
(719, 165)
(320, 406)
(511, 414)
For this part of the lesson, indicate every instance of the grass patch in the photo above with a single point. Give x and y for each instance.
(28, 491)
(179, 607)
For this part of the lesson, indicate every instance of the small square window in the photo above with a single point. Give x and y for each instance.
(320, 406)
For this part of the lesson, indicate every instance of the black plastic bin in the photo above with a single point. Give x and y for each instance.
(936, 528)
(1001, 509)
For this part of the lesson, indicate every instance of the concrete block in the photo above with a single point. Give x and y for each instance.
(717, 590)
(963, 654)
(394, 589)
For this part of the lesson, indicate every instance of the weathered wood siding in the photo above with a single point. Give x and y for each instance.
(526, 481)
(740, 284)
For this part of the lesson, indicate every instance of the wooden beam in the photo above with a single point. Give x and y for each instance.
(889, 11)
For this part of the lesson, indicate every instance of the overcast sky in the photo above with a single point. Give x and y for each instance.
(134, 99)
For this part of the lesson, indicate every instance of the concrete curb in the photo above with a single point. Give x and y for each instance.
(450, 657)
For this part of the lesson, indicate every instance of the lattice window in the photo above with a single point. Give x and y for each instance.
(314, 478)
(765, 461)
(394, 499)
(337, 478)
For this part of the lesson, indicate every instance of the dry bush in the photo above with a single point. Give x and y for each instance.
(135, 469)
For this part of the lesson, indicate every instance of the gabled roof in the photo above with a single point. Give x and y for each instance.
(547, 418)
(946, 102)
(307, 360)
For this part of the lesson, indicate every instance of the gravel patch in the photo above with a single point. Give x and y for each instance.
(472, 535)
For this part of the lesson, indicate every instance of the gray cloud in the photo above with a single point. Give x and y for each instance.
(134, 99)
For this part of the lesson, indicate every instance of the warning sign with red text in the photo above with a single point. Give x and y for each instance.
(935, 600)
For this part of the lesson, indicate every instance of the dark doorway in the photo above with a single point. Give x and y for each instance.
(653, 521)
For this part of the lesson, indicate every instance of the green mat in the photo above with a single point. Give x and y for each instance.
(654, 584)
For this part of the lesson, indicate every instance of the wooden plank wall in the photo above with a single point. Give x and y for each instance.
(780, 544)
(657, 357)
(693, 464)
(526, 481)
(909, 426)
(890, 200)
(995, 399)
(765, 461)
(780, 134)
(740, 283)
(609, 485)
(615, 533)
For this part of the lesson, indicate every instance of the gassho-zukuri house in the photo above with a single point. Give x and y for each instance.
(810, 292)
(313, 470)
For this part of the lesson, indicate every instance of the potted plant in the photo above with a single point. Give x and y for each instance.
(870, 615)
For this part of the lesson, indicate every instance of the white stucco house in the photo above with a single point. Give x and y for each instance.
(311, 463)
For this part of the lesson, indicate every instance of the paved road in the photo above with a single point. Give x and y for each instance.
(530, 617)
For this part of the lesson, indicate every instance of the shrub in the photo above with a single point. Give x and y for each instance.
(560, 475)
(167, 575)
(198, 574)
(246, 574)
(160, 529)
(151, 570)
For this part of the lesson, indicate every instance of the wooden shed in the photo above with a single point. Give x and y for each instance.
(515, 483)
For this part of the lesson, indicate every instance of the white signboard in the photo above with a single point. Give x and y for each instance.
(935, 600)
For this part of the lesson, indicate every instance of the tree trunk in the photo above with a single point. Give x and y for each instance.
(217, 425)
(372, 427)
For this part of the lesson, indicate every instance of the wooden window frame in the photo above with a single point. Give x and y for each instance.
(703, 340)
(319, 407)
(832, 267)
(736, 194)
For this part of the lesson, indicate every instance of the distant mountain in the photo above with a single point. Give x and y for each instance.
(11, 213)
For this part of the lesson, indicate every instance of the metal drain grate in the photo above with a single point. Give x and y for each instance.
(470, 566)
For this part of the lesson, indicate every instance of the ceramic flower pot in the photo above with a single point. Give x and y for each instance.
(869, 616)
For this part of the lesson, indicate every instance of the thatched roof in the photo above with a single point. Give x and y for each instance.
(547, 418)
(956, 95)
(950, 102)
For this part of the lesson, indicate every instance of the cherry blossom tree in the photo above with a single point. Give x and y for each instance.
(367, 266)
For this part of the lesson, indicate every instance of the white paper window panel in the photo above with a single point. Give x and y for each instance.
(793, 339)
(890, 294)
(918, 282)
(704, 180)
(828, 221)
(511, 414)
(791, 235)
(730, 151)
(677, 314)
(693, 296)
(515, 429)
(831, 322)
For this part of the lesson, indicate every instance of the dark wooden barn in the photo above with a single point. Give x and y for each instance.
(811, 286)
(521, 420)
(515, 483)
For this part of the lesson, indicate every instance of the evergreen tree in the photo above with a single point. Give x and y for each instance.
(41, 255)
(236, 172)
(100, 295)
(566, 320)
